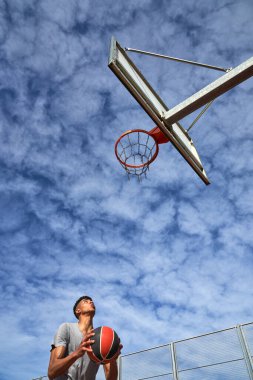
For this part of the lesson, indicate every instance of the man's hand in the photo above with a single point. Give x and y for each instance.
(85, 344)
(119, 351)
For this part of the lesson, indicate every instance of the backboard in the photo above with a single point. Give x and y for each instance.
(142, 91)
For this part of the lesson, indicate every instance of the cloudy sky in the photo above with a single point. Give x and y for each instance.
(164, 259)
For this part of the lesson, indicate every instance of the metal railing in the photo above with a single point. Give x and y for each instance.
(220, 355)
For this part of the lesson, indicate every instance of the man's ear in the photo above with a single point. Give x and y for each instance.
(78, 311)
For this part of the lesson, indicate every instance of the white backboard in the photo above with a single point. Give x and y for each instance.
(138, 86)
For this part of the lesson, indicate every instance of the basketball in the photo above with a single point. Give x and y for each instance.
(106, 345)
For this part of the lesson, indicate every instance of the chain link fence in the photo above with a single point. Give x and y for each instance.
(220, 355)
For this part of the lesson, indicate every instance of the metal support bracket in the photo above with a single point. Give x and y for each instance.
(221, 85)
(179, 60)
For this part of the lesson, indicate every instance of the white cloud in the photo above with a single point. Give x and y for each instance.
(167, 256)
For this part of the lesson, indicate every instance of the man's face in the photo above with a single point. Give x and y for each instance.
(86, 306)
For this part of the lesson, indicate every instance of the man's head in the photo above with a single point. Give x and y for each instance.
(84, 304)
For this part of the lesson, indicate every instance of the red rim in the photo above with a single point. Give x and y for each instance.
(136, 166)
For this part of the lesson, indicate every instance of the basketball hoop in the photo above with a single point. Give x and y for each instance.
(136, 149)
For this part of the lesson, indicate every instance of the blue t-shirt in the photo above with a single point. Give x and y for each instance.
(69, 336)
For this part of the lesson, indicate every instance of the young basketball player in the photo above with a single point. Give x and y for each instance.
(69, 359)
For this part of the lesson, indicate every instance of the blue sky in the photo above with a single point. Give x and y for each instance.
(164, 259)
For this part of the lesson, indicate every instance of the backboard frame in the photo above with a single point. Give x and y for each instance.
(132, 78)
(212, 91)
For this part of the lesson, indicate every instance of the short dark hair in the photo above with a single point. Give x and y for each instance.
(77, 302)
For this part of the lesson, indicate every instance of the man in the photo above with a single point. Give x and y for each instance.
(69, 359)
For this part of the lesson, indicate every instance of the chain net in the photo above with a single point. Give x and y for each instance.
(136, 150)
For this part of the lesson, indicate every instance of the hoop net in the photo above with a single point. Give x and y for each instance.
(136, 150)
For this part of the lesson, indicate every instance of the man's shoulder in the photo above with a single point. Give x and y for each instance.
(69, 328)
(67, 325)
(65, 328)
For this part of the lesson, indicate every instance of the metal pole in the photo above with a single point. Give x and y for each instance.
(245, 351)
(174, 361)
(199, 116)
(179, 60)
(119, 368)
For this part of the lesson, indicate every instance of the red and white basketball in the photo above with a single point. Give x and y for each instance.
(106, 345)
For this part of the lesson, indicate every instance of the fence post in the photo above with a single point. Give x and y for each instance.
(174, 361)
(245, 350)
(119, 368)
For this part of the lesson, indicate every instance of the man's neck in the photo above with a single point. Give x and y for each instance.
(85, 323)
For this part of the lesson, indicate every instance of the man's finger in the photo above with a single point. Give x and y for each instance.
(119, 350)
(87, 337)
(84, 349)
(90, 334)
(120, 347)
(87, 343)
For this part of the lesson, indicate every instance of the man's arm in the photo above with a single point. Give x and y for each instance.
(58, 364)
(111, 370)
